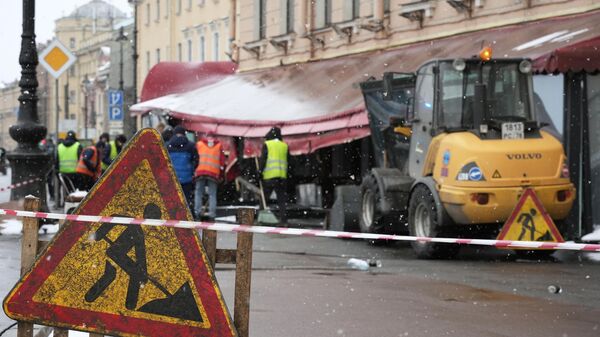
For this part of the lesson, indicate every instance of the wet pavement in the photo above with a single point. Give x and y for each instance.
(302, 286)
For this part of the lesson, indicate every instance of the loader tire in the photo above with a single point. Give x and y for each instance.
(370, 219)
(423, 222)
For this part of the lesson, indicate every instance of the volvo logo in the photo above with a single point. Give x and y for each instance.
(523, 156)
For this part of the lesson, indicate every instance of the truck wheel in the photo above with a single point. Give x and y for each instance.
(370, 217)
(423, 222)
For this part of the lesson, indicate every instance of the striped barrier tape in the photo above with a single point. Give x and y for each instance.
(10, 187)
(223, 227)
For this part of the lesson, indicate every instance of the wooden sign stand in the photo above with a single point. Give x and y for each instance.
(241, 257)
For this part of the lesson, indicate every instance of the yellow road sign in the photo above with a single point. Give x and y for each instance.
(530, 222)
(127, 280)
(56, 58)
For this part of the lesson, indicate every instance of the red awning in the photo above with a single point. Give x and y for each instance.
(167, 78)
(319, 104)
(582, 56)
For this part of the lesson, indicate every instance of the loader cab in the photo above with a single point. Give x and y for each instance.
(491, 99)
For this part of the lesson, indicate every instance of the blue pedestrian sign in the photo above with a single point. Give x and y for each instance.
(115, 105)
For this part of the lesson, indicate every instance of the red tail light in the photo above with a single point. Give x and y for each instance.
(480, 198)
(563, 195)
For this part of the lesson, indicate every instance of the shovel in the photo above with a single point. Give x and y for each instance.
(265, 216)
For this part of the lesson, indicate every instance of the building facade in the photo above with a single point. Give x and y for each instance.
(273, 33)
(182, 31)
(9, 107)
(88, 33)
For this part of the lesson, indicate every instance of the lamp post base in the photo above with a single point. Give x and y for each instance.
(26, 165)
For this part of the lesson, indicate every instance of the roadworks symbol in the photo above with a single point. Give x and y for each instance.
(530, 222)
(496, 175)
(126, 280)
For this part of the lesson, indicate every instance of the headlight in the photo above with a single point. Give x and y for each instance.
(525, 66)
(459, 64)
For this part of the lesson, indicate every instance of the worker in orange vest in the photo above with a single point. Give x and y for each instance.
(89, 166)
(208, 174)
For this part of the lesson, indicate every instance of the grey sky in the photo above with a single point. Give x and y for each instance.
(46, 12)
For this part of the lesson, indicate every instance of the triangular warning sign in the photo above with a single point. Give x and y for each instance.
(496, 175)
(530, 222)
(126, 280)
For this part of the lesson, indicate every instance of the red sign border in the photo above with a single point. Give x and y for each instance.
(511, 220)
(147, 144)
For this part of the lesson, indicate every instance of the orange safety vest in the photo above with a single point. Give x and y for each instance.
(209, 163)
(81, 168)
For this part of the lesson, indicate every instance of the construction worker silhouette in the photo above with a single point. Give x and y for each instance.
(528, 224)
(131, 237)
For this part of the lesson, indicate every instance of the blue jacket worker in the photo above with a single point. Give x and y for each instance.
(185, 159)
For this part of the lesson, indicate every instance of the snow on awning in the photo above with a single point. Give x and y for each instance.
(176, 77)
(320, 104)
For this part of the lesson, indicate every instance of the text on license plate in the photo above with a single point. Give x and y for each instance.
(513, 130)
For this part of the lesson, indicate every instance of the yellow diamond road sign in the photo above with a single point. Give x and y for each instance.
(56, 58)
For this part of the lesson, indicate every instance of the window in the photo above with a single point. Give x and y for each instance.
(202, 49)
(72, 43)
(157, 11)
(287, 16)
(351, 9)
(148, 62)
(158, 55)
(386, 6)
(72, 71)
(72, 95)
(424, 94)
(507, 94)
(167, 8)
(189, 50)
(178, 9)
(179, 52)
(322, 13)
(260, 23)
(215, 46)
(189, 5)
(148, 14)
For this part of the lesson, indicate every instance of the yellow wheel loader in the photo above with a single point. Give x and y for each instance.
(455, 146)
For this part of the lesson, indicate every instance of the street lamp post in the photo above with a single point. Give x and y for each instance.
(122, 37)
(129, 124)
(28, 161)
(85, 84)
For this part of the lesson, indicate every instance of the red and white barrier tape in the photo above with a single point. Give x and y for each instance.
(223, 227)
(10, 187)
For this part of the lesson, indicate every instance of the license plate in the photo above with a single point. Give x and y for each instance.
(513, 130)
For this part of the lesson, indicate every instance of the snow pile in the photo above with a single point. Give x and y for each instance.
(15, 226)
(78, 194)
(593, 236)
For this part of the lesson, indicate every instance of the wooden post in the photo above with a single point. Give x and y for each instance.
(28, 252)
(243, 270)
(209, 241)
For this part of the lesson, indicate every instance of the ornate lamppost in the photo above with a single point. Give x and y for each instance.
(28, 161)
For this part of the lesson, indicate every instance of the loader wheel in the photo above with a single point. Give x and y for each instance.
(370, 217)
(423, 222)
